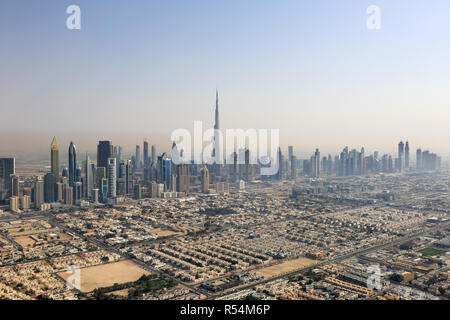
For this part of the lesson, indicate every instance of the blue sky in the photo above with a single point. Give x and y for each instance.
(141, 69)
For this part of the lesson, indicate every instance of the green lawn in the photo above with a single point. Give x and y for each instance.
(428, 252)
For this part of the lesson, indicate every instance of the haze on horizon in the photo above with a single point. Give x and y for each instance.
(140, 70)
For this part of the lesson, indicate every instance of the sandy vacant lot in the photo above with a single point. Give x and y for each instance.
(284, 267)
(106, 275)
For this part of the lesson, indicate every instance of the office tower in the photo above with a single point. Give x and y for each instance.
(216, 154)
(138, 157)
(68, 195)
(329, 165)
(407, 155)
(49, 188)
(117, 151)
(293, 167)
(234, 171)
(183, 178)
(54, 159)
(95, 195)
(173, 183)
(104, 190)
(77, 191)
(138, 192)
(39, 192)
(361, 162)
(205, 179)
(104, 152)
(100, 173)
(78, 172)
(14, 204)
(280, 164)
(248, 167)
(316, 164)
(111, 174)
(146, 158)
(166, 173)
(401, 156)
(72, 164)
(7, 168)
(128, 177)
(419, 159)
(89, 185)
(153, 154)
(390, 164)
(154, 190)
(290, 152)
(25, 202)
(15, 186)
(59, 193)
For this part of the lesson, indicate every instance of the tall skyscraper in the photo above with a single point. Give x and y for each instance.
(183, 179)
(146, 159)
(49, 187)
(290, 152)
(205, 179)
(112, 178)
(153, 155)
(407, 155)
(72, 164)
(138, 156)
(401, 156)
(54, 159)
(7, 168)
(316, 164)
(104, 152)
(217, 147)
(39, 192)
(89, 174)
(419, 159)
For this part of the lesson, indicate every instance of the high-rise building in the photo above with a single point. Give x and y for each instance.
(72, 164)
(104, 152)
(407, 155)
(290, 152)
(401, 156)
(14, 204)
(7, 168)
(25, 202)
(419, 159)
(68, 195)
(205, 179)
(111, 173)
(293, 167)
(59, 192)
(146, 158)
(166, 173)
(138, 157)
(153, 154)
(316, 164)
(216, 154)
(89, 174)
(15, 185)
(100, 173)
(39, 192)
(183, 179)
(49, 187)
(54, 159)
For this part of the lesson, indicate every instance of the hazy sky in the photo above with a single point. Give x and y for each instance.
(141, 69)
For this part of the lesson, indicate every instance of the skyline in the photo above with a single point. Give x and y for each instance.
(315, 72)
